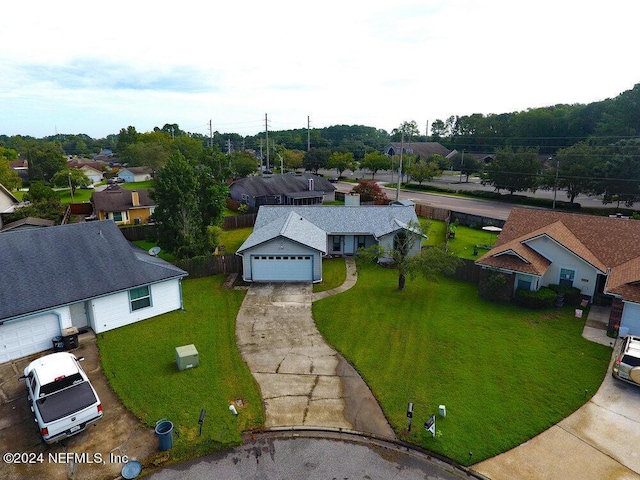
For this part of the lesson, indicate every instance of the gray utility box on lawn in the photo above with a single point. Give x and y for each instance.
(187, 357)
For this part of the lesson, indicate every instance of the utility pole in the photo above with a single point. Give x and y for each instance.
(308, 134)
(461, 165)
(261, 162)
(400, 167)
(555, 185)
(210, 134)
(266, 129)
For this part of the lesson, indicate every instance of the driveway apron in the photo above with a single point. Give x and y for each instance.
(303, 380)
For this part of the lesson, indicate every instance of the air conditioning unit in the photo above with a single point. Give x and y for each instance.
(187, 357)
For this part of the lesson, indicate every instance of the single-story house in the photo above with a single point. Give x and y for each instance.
(26, 223)
(287, 189)
(8, 202)
(598, 255)
(84, 275)
(420, 149)
(288, 242)
(135, 174)
(96, 176)
(123, 206)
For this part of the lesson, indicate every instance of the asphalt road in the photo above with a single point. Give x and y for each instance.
(311, 458)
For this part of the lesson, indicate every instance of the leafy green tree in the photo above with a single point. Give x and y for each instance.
(190, 147)
(9, 178)
(315, 159)
(45, 159)
(125, 138)
(44, 203)
(190, 200)
(573, 168)
(374, 162)
(466, 164)
(242, 164)
(293, 159)
(424, 171)
(73, 177)
(428, 263)
(409, 129)
(618, 179)
(341, 162)
(514, 171)
(177, 213)
(370, 191)
(38, 192)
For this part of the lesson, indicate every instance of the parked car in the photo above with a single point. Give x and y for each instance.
(62, 399)
(626, 365)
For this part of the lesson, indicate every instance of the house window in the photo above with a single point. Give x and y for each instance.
(361, 241)
(566, 277)
(524, 284)
(140, 298)
(336, 244)
(117, 216)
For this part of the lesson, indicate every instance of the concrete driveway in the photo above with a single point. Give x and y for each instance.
(304, 382)
(601, 440)
(96, 453)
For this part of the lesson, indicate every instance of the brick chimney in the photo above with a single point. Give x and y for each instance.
(135, 198)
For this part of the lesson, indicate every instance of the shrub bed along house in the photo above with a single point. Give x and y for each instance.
(542, 298)
(571, 294)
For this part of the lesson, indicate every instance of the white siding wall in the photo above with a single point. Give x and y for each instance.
(585, 276)
(386, 242)
(114, 311)
(289, 247)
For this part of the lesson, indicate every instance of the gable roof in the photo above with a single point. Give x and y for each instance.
(10, 196)
(608, 244)
(55, 266)
(282, 184)
(114, 198)
(337, 219)
(28, 222)
(291, 226)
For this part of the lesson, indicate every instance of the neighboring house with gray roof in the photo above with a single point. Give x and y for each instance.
(288, 242)
(288, 189)
(84, 275)
(26, 223)
(598, 255)
(419, 149)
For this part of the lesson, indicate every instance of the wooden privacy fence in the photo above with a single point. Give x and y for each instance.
(239, 221)
(211, 265)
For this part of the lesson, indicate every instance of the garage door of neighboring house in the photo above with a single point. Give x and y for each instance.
(631, 319)
(25, 337)
(287, 268)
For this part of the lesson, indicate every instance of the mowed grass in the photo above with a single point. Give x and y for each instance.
(504, 374)
(139, 361)
(233, 239)
(334, 273)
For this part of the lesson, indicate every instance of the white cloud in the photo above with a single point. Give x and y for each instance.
(81, 67)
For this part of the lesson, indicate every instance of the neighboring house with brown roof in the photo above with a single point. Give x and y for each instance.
(597, 255)
(123, 206)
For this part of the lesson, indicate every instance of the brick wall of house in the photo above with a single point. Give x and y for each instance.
(615, 317)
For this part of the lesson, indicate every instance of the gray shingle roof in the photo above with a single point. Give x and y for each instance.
(114, 198)
(48, 267)
(343, 220)
(291, 226)
(281, 184)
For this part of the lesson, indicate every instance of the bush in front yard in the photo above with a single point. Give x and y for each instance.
(571, 294)
(542, 298)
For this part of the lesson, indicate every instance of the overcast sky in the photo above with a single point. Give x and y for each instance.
(96, 67)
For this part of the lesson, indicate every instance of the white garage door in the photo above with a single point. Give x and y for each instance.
(24, 337)
(282, 268)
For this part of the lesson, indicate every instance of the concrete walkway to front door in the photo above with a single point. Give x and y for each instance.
(304, 382)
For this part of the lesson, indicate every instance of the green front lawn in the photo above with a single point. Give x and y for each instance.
(139, 361)
(334, 273)
(503, 373)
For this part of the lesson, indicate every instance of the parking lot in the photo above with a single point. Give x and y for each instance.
(96, 453)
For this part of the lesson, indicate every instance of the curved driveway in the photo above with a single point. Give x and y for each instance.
(304, 382)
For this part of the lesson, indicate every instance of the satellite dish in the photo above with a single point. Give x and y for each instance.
(154, 251)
